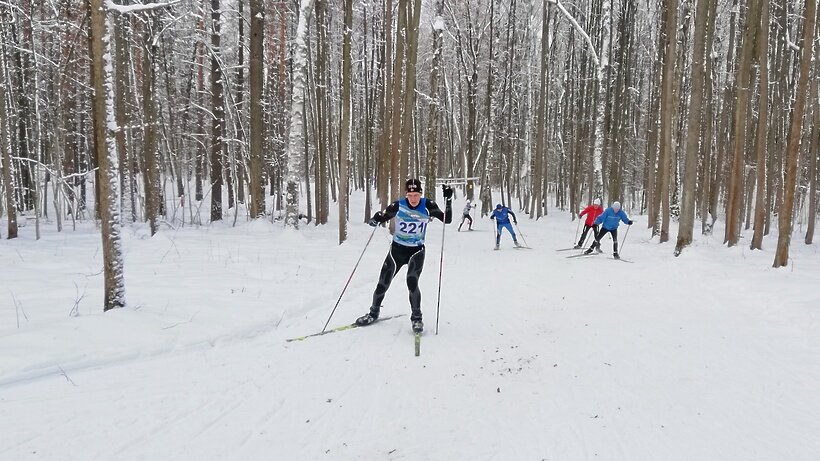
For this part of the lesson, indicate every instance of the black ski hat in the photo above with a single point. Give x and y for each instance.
(413, 185)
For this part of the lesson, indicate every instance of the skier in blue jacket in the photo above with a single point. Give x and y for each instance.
(609, 220)
(502, 214)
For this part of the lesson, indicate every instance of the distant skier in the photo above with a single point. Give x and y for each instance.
(592, 212)
(502, 214)
(465, 216)
(412, 214)
(609, 220)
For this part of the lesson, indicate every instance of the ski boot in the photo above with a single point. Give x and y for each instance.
(577, 247)
(368, 318)
(496, 246)
(517, 245)
(418, 326)
(615, 255)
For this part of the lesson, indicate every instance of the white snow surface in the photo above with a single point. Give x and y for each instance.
(709, 356)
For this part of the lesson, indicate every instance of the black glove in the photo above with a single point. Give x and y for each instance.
(447, 191)
(630, 222)
(376, 219)
(515, 221)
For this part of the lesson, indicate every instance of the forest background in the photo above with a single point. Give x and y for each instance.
(123, 112)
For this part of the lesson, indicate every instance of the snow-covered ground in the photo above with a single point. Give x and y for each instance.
(710, 356)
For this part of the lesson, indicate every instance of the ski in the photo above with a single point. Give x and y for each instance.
(569, 249)
(581, 255)
(342, 328)
(418, 343)
(624, 260)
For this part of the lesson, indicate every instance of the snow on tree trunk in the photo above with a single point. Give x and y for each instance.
(296, 145)
(601, 103)
(104, 143)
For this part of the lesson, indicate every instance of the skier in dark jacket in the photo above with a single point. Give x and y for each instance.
(609, 220)
(502, 214)
(592, 212)
(412, 214)
(465, 215)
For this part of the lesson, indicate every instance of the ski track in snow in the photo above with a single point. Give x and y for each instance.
(711, 355)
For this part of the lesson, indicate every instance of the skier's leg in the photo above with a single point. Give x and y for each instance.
(614, 241)
(509, 227)
(392, 264)
(498, 228)
(470, 226)
(583, 236)
(414, 267)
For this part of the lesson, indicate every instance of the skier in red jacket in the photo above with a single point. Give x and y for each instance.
(592, 212)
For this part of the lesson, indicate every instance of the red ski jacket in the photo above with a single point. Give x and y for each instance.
(592, 212)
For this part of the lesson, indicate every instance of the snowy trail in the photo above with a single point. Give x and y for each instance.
(708, 356)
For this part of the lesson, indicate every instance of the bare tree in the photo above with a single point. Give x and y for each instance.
(296, 146)
(106, 149)
(218, 113)
(257, 127)
(781, 257)
(667, 109)
(742, 85)
(762, 129)
(346, 125)
(5, 147)
(693, 144)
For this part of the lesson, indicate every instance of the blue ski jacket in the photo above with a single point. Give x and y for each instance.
(611, 218)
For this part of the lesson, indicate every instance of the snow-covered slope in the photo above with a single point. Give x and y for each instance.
(712, 355)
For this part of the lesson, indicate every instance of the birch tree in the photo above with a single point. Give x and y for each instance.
(296, 146)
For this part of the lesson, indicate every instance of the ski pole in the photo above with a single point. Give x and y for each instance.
(577, 226)
(440, 270)
(624, 241)
(350, 278)
(521, 234)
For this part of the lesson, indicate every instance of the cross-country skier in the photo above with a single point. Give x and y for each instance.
(465, 215)
(502, 214)
(609, 220)
(412, 214)
(592, 212)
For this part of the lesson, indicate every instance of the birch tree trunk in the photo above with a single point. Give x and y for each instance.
(296, 142)
(104, 144)
(781, 258)
(601, 100)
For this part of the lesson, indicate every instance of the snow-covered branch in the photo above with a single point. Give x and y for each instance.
(578, 28)
(128, 9)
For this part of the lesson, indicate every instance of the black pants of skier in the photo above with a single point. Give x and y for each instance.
(594, 228)
(466, 217)
(398, 256)
(601, 234)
